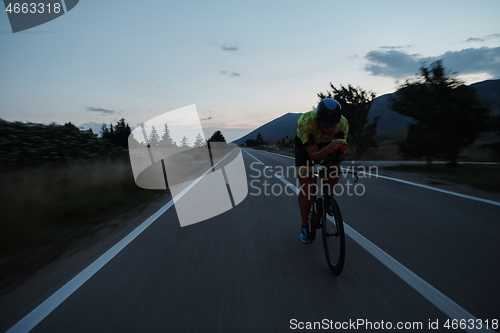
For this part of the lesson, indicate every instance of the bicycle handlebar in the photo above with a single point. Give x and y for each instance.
(334, 159)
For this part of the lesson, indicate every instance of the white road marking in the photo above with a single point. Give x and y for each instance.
(255, 158)
(287, 183)
(433, 295)
(50, 304)
(491, 202)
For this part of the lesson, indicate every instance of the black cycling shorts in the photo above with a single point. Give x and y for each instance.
(303, 161)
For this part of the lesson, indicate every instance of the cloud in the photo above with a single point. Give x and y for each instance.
(229, 48)
(103, 111)
(398, 64)
(482, 39)
(395, 47)
(231, 74)
(391, 63)
(474, 39)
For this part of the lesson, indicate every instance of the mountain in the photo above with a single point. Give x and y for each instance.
(488, 92)
(275, 129)
(389, 120)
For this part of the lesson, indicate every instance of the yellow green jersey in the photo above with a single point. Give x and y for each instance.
(308, 125)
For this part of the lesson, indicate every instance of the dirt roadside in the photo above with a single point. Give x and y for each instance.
(25, 296)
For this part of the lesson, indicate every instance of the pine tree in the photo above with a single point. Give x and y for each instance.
(166, 139)
(154, 138)
(217, 137)
(260, 139)
(184, 142)
(200, 141)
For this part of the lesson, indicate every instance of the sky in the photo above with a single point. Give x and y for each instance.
(242, 63)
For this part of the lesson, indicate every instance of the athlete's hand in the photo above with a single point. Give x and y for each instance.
(334, 146)
(344, 147)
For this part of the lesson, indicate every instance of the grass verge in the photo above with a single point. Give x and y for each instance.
(481, 176)
(47, 210)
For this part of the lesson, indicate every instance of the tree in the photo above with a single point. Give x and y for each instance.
(447, 115)
(122, 131)
(251, 143)
(356, 104)
(184, 142)
(260, 139)
(217, 137)
(104, 132)
(166, 139)
(118, 134)
(200, 141)
(154, 138)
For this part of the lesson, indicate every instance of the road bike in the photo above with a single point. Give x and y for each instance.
(332, 227)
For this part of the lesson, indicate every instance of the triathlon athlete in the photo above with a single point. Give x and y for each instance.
(316, 131)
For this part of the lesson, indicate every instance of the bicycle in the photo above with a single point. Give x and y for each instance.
(332, 233)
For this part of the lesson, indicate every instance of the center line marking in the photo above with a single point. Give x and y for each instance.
(433, 295)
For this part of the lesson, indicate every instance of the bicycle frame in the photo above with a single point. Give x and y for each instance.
(319, 213)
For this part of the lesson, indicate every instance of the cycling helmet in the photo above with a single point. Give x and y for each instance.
(328, 112)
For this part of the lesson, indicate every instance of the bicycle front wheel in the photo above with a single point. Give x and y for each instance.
(334, 238)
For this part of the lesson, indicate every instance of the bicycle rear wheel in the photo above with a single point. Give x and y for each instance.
(334, 238)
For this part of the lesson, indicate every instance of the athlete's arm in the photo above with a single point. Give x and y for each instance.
(318, 154)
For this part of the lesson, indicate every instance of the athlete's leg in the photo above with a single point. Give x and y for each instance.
(304, 171)
(307, 186)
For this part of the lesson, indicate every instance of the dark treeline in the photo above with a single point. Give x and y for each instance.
(23, 144)
(118, 134)
(447, 115)
(30, 144)
(255, 142)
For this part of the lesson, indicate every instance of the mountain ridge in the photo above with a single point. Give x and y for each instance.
(488, 92)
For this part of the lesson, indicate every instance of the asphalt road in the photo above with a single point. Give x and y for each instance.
(246, 270)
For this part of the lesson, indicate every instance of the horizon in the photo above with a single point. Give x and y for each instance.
(208, 131)
(242, 65)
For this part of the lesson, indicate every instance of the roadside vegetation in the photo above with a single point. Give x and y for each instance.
(62, 185)
(59, 184)
(447, 115)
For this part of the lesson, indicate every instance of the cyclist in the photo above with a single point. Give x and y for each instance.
(313, 141)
